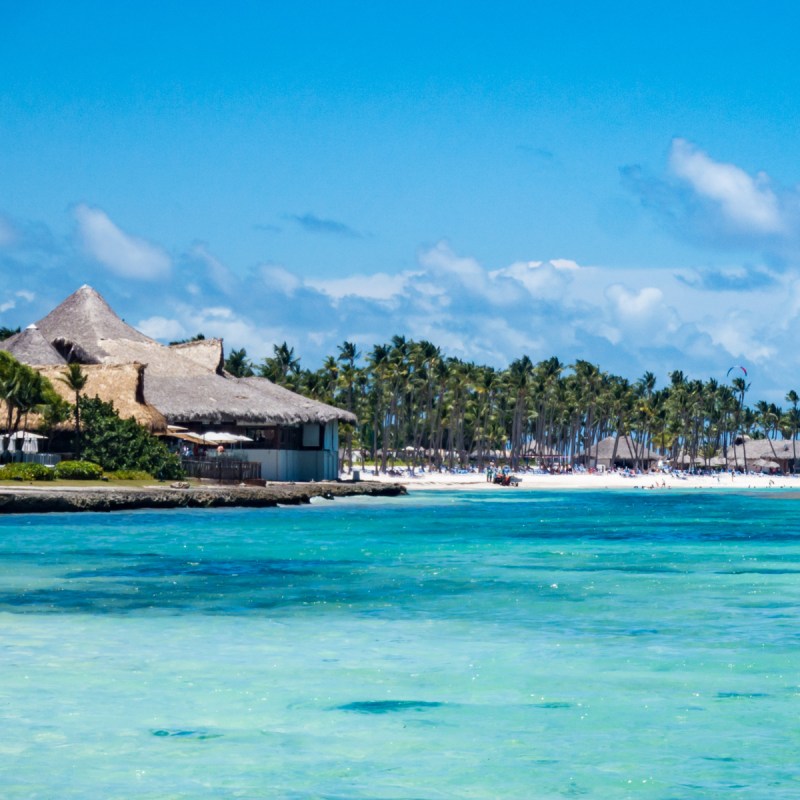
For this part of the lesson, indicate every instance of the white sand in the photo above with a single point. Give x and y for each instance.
(613, 480)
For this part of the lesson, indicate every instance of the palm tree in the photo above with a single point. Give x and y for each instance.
(282, 367)
(22, 389)
(75, 378)
(741, 388)
(238, 364)
(348, 354)
(794, 421)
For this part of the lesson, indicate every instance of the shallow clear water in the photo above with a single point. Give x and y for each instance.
(515, 645)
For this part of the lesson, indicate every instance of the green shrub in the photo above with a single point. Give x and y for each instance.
(78, 471)
(26, 472)
(123, 444)
(129, 475)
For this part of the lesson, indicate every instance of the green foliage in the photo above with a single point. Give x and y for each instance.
(123, 444)
(283, 368)
(199, 337)
(54, 410)
(78, 471)
(129, 475)
(238, 364)
(26, 472)
(75, 378)
(22, 389)
(6, 332)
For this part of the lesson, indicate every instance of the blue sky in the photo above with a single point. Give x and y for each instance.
(600, 181)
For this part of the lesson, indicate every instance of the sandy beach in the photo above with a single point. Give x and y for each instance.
(431, 481)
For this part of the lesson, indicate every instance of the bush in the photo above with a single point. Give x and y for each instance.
(78, 471)
(122, 444)
(26, 472)
(129, 475)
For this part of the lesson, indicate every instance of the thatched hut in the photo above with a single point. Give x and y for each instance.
(294, 437)
(745, 452)
(609, 453)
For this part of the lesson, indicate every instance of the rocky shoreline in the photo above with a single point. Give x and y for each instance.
(35, 500)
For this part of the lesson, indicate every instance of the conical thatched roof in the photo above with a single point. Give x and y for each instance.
(30, 347)
(80, 326)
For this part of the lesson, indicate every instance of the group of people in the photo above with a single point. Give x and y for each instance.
(501, 476)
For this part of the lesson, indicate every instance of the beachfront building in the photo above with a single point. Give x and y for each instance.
(183, 389)
(618, 452)
(762, 455)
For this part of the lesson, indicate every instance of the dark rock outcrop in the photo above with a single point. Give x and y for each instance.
(34, 500)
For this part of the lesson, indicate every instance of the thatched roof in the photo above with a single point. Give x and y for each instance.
(215, 399)
(80, 326)
(604, 450)
(158, 359)
(771, 449)
(121, 384)
(185, 382)
(207, 353)
(30, 347)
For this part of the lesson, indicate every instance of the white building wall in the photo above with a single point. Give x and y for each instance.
(302, 465)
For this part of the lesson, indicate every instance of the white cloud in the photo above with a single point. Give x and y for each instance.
(441, 258)
(11, 304)
(125, 255)
(280, 279)
(378, 286)
(162, 328)
(627, 321)
(745, 201)
(541, 279)
(565, 264)
(638, 306)
(740, 340)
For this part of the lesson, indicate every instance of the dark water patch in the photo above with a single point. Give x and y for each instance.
(232, 593)
(721, 759)
(201, 735)
(740, 695)
(634, 569)
(758, 571)
(642, 632)
(55, 601)
(552, 705)
(166, 567)
(388, 706)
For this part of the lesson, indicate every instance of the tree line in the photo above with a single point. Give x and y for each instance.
(413, 400)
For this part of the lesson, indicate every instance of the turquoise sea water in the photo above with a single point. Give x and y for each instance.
(509, 645)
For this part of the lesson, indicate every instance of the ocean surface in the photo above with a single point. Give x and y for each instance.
(490, 645)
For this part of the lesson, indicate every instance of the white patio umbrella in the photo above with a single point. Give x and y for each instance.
(220, 437)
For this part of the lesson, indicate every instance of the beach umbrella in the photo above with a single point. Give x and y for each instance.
(30, 445)
(224, 438)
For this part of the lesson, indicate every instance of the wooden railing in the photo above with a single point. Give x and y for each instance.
(222, 470)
